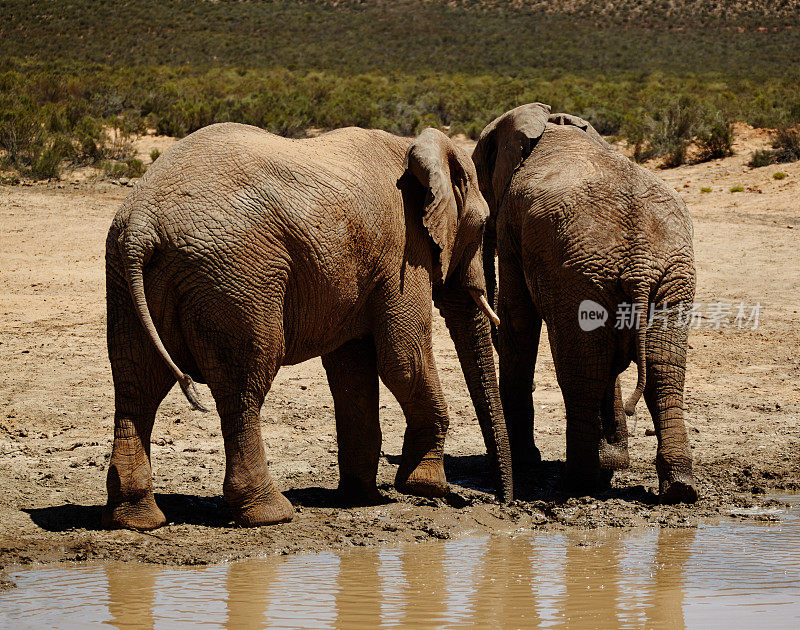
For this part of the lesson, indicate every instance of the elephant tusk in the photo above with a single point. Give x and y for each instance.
(482, 302)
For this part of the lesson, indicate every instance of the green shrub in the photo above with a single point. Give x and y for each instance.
(779, 175)
(705, 189)
(761, 157)
(786, 144)
(715, 138)
(113, 169)
(735, 189)
(48, 164)
(785, 148)
(134, 167)
(676, 124)
(154, 155)
(21, 133)
(638, 128)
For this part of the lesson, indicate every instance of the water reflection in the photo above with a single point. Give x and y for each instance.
(131, 595)
(651, 578)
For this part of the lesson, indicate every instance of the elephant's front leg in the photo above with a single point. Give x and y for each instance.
(406, 366)
(248, 487)
(353, 378)
(518, 341)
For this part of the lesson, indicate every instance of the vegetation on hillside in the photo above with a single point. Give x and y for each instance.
(661, 73)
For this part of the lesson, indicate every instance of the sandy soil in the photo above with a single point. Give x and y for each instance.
(743, 398)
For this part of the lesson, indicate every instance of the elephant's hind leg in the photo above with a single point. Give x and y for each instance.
(239, 356)
(584, 374)
(141, 381)
(131, 504)
(353, 378)
(248, 486)
(614, 439)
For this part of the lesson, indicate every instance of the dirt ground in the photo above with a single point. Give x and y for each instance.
(743, 399)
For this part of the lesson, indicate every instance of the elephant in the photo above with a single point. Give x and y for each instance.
(240, 251)
(582, 232)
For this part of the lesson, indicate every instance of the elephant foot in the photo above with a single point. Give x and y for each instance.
(586, 480)
(275, 509)
(141, 515)
(355, 492)
(426, 480)
(679, 489)
(614, 456)
(526, 457)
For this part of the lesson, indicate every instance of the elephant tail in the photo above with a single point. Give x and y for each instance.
(640, 304)
(136, 252)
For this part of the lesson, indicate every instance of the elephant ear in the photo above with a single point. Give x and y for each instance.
(504, 144)
(432, 161)
(580, 123)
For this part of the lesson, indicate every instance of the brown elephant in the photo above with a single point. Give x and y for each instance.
(581, 231)
(240, 251)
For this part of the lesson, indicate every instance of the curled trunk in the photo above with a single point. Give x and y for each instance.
(471, 333)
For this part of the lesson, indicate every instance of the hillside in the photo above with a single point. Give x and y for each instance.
(413, 36)
(71, 69)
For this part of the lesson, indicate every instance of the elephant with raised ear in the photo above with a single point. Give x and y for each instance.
(581, 232)
(240, 251)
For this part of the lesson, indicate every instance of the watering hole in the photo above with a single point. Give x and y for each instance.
(734, 572)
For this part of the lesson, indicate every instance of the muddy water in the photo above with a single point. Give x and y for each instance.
(735, 573)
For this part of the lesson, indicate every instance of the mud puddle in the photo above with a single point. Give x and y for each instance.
(735, 573)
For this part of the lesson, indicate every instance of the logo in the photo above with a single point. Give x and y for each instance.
(591, 315)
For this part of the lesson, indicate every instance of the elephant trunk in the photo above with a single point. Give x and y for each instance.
(471, 334)
(666, 361)
(490, 277)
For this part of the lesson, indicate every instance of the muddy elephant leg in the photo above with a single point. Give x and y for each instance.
(248, 487)
(518, 340)
(141, 381)
(353, 378)
(666, 369)
(407, 368)
(138, 392)
(584, 371)
(614, 438)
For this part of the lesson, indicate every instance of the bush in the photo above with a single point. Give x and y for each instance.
(705, 189)
(154, 155)
(131, 167)
(786, 144)
(779, 175)
(785, 148)
(134, 167)
(675, 127)
(113, 169)
(672, 126)
(736, 189)
(48, 164)
(715, 138)
(761, 157)
(638, 128)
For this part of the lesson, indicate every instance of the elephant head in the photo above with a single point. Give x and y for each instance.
(503, 145)
(454, 214)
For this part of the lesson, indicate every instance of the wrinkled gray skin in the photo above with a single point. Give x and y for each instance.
(242, 251)
(573, 221)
